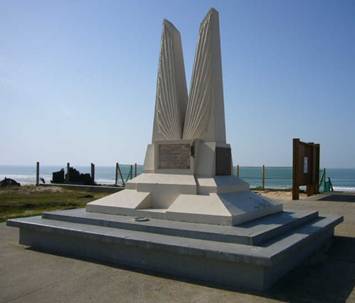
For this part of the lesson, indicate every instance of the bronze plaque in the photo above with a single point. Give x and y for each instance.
(223, 161)
(174, 156)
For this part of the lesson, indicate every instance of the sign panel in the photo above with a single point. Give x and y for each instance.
(305, 167)
(174, 156)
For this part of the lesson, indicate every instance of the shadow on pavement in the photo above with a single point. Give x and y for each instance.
(339, 198)
(328, 276)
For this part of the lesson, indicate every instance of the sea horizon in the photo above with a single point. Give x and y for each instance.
(277, 177)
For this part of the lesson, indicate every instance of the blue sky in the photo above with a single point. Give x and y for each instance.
(78, 78)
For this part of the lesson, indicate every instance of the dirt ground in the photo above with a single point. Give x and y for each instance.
(279, 195)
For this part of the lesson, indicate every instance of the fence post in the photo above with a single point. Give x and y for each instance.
(130, 173)
(316, 156)
(135, 169)
(37, 173)
(67, 175)
(116, 174)
(263, 177)
(118, 171)
(238, 171)
(295, 172)
(93, 172)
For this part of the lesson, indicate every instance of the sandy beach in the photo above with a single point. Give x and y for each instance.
(285, 195)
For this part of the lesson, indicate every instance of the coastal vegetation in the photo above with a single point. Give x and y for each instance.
(30, 200)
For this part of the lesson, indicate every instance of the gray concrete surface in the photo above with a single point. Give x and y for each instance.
(254, 232)
(30, 276)
(221, 263)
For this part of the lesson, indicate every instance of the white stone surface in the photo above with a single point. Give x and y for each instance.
(172, 179)
(149, 161)
(204, 117)
(171, 98)
(199, 116)
(164, 188)
(122, 202)
(224, 209)
(205, 159)
(246, 206)
(200, 209)
(223, 200)
(221, 184)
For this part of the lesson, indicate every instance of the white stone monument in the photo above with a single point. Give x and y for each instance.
(188, 166)
(187, 194)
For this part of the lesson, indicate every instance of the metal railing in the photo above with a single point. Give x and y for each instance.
(260, 177)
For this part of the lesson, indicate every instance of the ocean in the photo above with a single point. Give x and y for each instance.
(276, 177)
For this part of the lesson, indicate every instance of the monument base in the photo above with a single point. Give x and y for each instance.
(253, 255)
(222, 200)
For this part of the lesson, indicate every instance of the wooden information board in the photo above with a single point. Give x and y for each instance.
(305, 167)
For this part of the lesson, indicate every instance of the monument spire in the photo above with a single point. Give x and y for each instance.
(171, 95)
(204, 117)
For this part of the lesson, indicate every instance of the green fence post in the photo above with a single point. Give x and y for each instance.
(37, 173)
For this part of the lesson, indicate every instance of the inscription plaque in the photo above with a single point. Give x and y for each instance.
(223, 161)
(174, 156)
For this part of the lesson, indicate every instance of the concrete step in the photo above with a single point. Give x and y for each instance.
(302, 231)
(231, 264)
(252, 233)
(277, 225)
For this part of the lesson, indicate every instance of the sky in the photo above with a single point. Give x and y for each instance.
(78, 78)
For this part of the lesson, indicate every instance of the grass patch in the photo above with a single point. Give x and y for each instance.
(31, 200)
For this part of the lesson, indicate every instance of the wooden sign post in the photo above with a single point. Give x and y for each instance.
(305, 167)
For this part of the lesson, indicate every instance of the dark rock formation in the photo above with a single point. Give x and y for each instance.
(74, 177)
(9, 182)
(58, 176)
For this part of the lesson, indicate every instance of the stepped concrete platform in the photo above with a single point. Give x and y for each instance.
(252, 255)
(223, 200)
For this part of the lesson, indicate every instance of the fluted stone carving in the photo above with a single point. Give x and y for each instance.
(204, 117)
(171, 96)
(201, 114)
